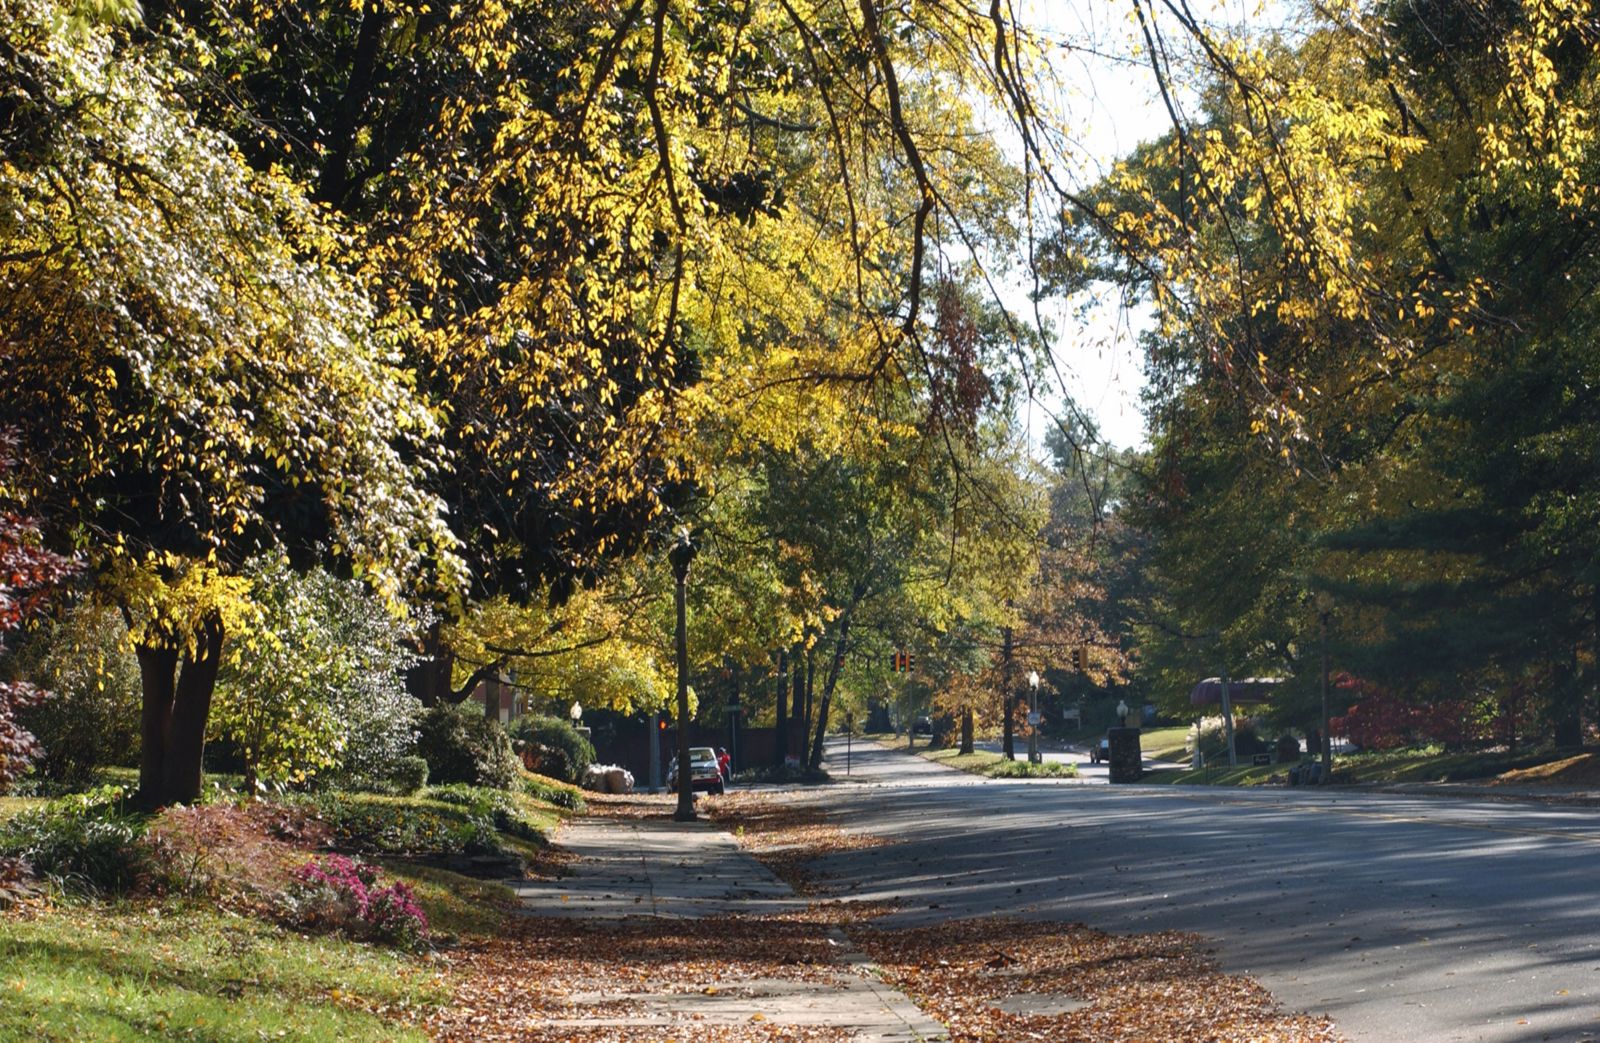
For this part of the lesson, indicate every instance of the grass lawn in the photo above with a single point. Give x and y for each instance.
(1432, 764)
(11, 805)
(144, 967)
(1165, 744)
(996, 766)
(1424, 764)
(1244, 775)
(141, 971)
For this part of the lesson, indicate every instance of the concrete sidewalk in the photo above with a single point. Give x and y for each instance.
(659, 870)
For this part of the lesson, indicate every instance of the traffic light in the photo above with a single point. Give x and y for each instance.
(1080, 659)
(902, 662)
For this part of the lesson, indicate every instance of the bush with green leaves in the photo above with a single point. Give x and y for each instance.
(498, 806)
(557, 794)
(90, 720)
(409, 774)
(87, 842)
(461, 745)
(396, 826)
(1212, 738)
(559, 751)
(316, 689)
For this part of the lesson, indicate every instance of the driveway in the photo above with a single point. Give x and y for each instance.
(1402, 917)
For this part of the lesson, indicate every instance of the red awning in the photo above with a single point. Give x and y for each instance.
(1246, 690)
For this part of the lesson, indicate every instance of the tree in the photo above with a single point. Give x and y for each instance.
(191, 379)
(1375, 234)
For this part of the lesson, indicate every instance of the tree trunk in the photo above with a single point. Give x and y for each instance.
(176, 694)
(1566, 707)
(158, 670)
(1008, 744)
(780, 744)
(811, 680)
(428, 679)
(966, 730)
(827, 690)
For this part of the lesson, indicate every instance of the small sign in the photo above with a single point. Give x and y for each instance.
(1033, 717)
(732, 707)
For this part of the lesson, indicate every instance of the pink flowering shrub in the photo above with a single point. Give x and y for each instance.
(336, 893)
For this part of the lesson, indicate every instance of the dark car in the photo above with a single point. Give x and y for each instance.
(1100, 753)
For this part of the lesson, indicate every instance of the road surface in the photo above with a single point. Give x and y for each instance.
(1402, 917)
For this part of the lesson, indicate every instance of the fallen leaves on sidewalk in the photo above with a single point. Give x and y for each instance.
(542, 977)
(1161, 986)
(632, 805)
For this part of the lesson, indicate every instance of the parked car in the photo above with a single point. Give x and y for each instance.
(704, 771)
(922, 726)
(1100, 753)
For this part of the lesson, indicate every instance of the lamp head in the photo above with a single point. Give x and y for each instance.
(681, 554)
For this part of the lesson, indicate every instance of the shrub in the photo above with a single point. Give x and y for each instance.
(1024, 770)
(91, 719)
(497, 806)
(229, 852)
(409, 774)
(321, 690)
(335, 893)
(557, 794)
(1288, 748)
(390, 827)
(1213, 739)
(555, 747)
(461, 745)
(88, 842)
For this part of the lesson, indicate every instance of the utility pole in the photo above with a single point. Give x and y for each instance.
(1325, 606)
(781, 721)
(1227, 720)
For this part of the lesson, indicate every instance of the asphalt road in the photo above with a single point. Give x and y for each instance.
(1402, 917)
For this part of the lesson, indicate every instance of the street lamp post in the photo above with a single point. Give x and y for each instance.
(681, 554)
(1033, 717)
(1324, 607)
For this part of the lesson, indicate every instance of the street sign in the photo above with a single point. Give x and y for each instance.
(1033, 717)
(732, 707)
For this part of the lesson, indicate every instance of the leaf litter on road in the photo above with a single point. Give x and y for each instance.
(1155, 986)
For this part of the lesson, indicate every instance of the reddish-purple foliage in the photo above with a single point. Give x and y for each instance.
(343, 893)
(28, 575)
(1383, 720)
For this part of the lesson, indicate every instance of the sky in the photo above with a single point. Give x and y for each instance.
(1111, 103)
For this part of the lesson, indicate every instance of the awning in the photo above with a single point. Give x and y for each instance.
(1246, 690)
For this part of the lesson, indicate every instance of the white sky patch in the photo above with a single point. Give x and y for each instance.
(1108, 101)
